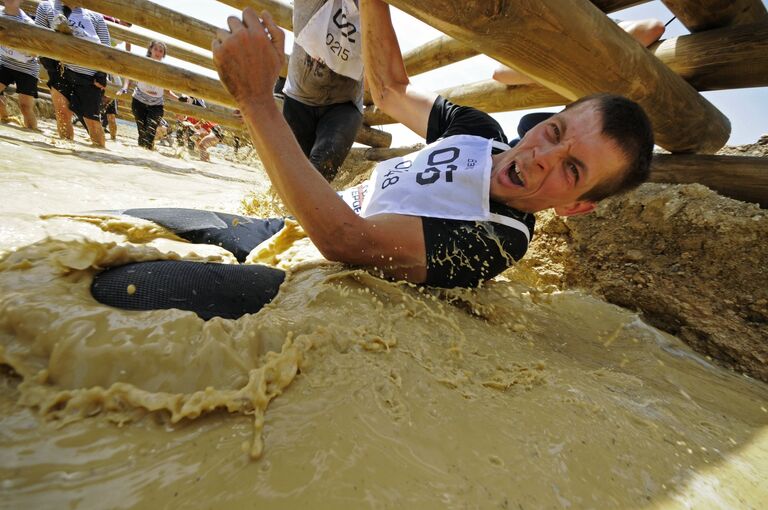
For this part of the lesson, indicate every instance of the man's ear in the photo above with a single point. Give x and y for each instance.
(576, 208)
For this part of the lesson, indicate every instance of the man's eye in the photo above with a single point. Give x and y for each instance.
(556, 132)
(574, 171)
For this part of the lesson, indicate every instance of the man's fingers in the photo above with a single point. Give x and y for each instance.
(234, 23)
(251, 18)
(275, 32)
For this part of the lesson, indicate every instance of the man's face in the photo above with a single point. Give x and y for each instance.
(556, 162)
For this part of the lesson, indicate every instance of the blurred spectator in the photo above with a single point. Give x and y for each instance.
(19, 68)
(147, 103)
(75, 88)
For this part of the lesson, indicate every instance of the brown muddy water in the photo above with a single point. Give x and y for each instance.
(347, 391)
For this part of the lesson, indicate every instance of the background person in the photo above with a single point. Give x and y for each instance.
(324, 94)
(108, 110)
(19, 68)
(75, 88)
(147, 103)
(208, 135)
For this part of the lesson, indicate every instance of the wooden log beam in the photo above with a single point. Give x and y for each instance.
(446, 50)
(374, 154)
(281, 12)
(158, 18)
(487, 95)
(437, 53)
(616, 64)
(726, 58)
(741, 177)
(701, 15)
(41, 41)
(198, 56)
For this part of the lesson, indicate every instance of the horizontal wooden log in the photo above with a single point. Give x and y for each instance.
(41, 41)
(434, 54)
(580, 67)
(446, 50)
(374, 154)
(487, 95)
(199, 56)
(700, 15)
(741, 177)
(726, 58)
(281, 12)
(158, 18)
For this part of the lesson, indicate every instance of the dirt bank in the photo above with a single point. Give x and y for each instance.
(692, 261)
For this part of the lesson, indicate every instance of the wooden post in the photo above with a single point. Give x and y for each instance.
(708, 14)
(726, 58)
(41, 41)
(575, 50)
(740, 177)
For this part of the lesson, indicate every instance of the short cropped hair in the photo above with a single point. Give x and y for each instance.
(159, 44)
(626, 123)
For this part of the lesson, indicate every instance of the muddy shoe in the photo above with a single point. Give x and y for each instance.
(61, 24)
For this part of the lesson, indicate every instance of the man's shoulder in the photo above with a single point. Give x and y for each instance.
(447, 119)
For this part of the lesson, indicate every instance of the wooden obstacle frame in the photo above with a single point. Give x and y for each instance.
(727, 49)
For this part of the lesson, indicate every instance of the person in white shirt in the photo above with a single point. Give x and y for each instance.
(148, 100)
(75, 88)
(19, 68)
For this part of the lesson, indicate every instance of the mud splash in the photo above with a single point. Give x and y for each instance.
(352, 391)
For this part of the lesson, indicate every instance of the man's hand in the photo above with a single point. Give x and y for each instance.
(249, 56)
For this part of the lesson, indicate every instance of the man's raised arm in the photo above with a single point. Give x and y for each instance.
(385, 71)
(248, 58)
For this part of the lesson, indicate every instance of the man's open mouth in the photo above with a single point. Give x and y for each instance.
(514, 175)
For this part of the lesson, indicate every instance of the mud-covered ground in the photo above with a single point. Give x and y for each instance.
(692, 261)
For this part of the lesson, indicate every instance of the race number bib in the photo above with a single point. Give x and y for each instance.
(447, 179)
(82, 26)
(333, 36)
(355, 196)
(16, 55)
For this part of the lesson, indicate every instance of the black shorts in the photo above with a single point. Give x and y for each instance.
(109, 107)
(25, 83)
(84, 97)
(216, 130)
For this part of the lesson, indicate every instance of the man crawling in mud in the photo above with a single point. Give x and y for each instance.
(456, 213)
